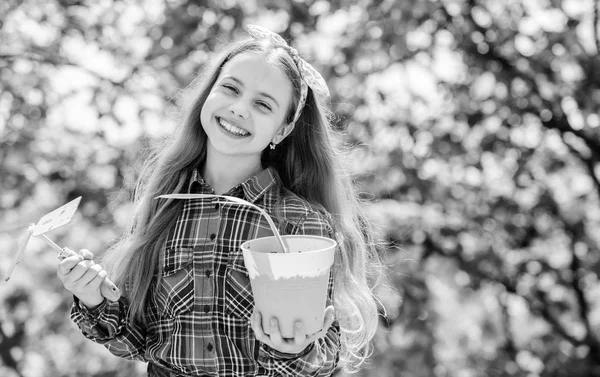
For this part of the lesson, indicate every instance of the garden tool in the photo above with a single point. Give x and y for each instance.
(57, 218)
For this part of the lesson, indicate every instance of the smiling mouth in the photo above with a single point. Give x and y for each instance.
(231, 128)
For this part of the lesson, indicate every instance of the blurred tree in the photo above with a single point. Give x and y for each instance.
(475, 130)
(496, 150)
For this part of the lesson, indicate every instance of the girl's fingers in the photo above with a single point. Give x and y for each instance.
(299, 334)
(78, 271)
(95, 283)
(256, 323)
(89, 275)
(329, 318)
(300, 341)
(276, 337)
(86, 254)
(67, 264)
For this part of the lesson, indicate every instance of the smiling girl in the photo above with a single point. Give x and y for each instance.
(256, 127)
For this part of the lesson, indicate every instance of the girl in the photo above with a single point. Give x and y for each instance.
(256, 128)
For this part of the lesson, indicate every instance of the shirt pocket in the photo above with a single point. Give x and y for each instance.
(175, 290)
(238, 292)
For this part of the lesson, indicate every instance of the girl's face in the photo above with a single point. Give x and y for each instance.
(246, 107)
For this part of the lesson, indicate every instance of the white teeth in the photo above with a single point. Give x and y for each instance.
(233, 129)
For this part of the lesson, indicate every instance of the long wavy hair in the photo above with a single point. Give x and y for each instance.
(309, 162)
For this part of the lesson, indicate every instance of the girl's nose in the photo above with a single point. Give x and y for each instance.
(239, 109)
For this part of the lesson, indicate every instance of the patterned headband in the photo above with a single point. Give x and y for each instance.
(310, 76)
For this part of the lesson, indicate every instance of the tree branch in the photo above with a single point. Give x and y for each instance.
(537, 303)
(576, 280)
(590, 165)
(562, 124)
(58, 61)
(509, 344)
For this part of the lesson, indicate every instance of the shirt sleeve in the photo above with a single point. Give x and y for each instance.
(107, 324)
(322, 356)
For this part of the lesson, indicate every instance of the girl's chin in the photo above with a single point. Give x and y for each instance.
(226, 148)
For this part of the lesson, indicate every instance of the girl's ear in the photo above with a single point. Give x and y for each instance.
(283, 133)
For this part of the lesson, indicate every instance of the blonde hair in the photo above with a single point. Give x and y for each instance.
(309, 165)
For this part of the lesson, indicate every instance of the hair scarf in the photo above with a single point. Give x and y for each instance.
(310, 76)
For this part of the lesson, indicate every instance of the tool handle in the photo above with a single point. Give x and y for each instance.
(108, 289)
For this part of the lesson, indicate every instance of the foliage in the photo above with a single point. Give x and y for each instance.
(475, 134)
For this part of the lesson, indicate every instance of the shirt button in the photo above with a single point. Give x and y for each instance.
(207, 272)
(210, 347)
(213, 236)
(206, 308)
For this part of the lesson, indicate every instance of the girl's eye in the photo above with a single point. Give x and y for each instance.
(231, 88)
(264, 105)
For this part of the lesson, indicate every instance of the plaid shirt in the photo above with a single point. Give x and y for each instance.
(198, 314)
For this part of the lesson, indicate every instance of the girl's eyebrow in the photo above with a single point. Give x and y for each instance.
(239, 82)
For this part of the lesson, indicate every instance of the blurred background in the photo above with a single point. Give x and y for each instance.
(475, 131)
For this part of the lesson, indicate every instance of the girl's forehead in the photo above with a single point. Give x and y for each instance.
(254, 61)
(259, 73)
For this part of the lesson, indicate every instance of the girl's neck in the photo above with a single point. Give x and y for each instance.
(224, 172)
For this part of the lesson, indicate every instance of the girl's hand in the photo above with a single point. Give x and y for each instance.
(300, 341)
(82, 277)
